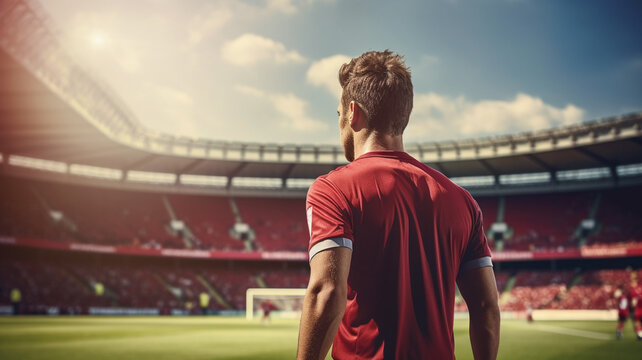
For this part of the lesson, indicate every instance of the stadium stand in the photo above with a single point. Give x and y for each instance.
(537, 289)
(546, 221)
(595, 290)
(113, 217)
(278, 225)
(128, 286)
(210, 220)
(618, 217)
(296, 279)
(67, 283)
(22, 214)
(46, 285)
(232, 284)
(140, 219)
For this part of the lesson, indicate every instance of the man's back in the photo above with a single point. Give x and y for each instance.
(411, 230)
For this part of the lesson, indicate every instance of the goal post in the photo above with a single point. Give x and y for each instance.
(285, 300)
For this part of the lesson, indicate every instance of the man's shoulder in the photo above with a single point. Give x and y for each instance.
(337, 175)
(326, 184)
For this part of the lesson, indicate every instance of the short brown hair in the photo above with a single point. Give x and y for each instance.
(380, 83)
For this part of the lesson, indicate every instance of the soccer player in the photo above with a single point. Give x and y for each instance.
(529, 313)
(267, 307)
(204, 301)
(390, 237)
(622, 299)
(16, 297)
(635, 294)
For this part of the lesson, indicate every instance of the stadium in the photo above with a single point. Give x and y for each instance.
(154, 240)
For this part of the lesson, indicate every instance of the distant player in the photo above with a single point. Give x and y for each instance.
(635, 294)
(267, 308)
(16, 297)
(204, 301)
(529, 313)
(390, 237)
(622, 299)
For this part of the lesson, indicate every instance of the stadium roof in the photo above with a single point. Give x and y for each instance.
(52, 109)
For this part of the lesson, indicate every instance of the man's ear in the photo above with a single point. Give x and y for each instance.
(356, 116)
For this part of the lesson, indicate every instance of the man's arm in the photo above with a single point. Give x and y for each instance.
(479, 289)
(324, 303)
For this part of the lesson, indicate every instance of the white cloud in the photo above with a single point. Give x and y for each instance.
(129, 60)
(294, 109)
(428, 60)
(250, 49)
(248, 90)
(203, 25)
(290, 7)
(437, 117)
(284, 6)
(213, 17)
(325, 73)
(291, 107)
(174, 95)
(174, 111)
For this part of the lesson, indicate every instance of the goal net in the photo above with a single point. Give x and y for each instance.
(284, 302)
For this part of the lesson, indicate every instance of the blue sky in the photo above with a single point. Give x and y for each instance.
(266, 70)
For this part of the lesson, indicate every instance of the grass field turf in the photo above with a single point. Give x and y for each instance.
(160, 338)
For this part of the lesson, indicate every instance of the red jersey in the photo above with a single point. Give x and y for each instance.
(623, 305)
(411, 231)
(635, 293)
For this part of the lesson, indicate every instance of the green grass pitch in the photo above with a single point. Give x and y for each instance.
(160, 338)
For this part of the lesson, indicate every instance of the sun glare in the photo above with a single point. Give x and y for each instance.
(98, 40)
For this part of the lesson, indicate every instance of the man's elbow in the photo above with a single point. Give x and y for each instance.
(328, 295)
(485, 306)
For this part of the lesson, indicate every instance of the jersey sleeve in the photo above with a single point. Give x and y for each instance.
(329, 217)
(477, 252)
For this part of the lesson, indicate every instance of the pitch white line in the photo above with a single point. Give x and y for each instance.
(574, 332)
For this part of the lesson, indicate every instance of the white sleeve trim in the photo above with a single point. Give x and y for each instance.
(329, 244)
(477, 263)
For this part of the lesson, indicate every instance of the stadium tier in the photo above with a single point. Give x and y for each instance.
(619, 217)
(75, 283)
(63, 283)
(70, 213)
(537, 289)
(209, 219)
(278, 225)
(546, 221)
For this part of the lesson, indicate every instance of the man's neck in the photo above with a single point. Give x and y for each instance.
(377, 142)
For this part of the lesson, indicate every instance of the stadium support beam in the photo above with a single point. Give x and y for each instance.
(232, 174)
(286, 175)
(489, 168)
(99, 153)
(603, 161)
(550, 169)
(614, 175)
(541, 163)
(137, 163)
(189, 167)
(636, 140)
